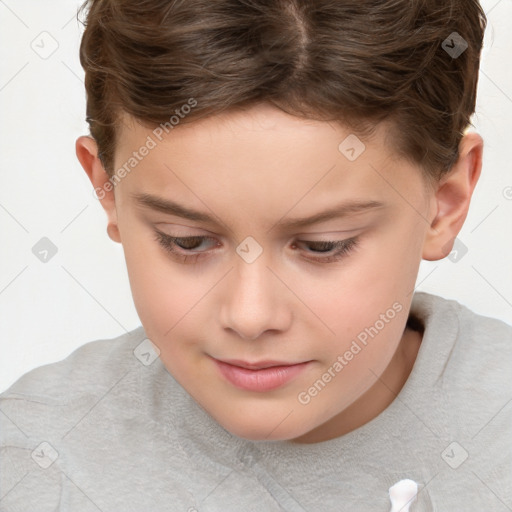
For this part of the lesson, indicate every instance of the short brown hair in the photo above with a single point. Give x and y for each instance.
(357, 62)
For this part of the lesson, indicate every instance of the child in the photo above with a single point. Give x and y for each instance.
(275, 171)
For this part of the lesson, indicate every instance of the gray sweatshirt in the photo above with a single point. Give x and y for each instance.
(109, 429)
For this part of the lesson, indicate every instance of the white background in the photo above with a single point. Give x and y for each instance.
(82, 293)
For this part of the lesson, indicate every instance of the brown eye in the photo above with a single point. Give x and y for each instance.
(186, 247)
(341, 248)
(179, 246)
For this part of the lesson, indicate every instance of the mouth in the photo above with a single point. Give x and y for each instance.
(257, 366)
(259, 376)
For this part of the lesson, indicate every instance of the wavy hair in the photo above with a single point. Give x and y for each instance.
(356, 62)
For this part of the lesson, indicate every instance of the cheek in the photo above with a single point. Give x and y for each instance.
(389, 265)
(353, 295)
(162, 292)
(366, 304)
(367, 335)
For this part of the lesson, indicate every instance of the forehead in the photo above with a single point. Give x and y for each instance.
(261, 158)
(261, 118)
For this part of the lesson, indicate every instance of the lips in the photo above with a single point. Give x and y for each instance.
(261, 376)
(256, 366)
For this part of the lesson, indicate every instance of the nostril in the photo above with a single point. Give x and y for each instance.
(402, 495)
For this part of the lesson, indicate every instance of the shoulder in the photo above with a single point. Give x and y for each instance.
(466, 362)
(447, 316)
(87, 367)
(466, 380)
(53, 412)
(48, 399)
(464, 351)
(484, 349)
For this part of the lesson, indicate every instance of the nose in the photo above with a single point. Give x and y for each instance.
(255, 300)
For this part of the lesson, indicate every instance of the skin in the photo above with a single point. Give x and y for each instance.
(251, 169)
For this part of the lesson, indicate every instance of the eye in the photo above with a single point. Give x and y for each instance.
(184, 248)
(341, 249)
(175, 245)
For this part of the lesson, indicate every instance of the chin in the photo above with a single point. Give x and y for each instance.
(262, 431)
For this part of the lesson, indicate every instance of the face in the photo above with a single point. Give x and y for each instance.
(242, 279)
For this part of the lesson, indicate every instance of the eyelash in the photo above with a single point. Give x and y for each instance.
(344, 247)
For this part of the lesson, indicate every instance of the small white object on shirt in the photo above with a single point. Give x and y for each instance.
(402, 494)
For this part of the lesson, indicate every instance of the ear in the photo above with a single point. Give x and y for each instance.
(452, 198)
(87, 153)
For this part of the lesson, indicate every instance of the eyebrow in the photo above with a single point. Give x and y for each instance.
(173, 208)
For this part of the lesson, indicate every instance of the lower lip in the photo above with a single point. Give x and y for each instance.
(265, 379)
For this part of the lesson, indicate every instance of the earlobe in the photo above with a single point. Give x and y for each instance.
(113, 232)
(87, 154)
(452, 197)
